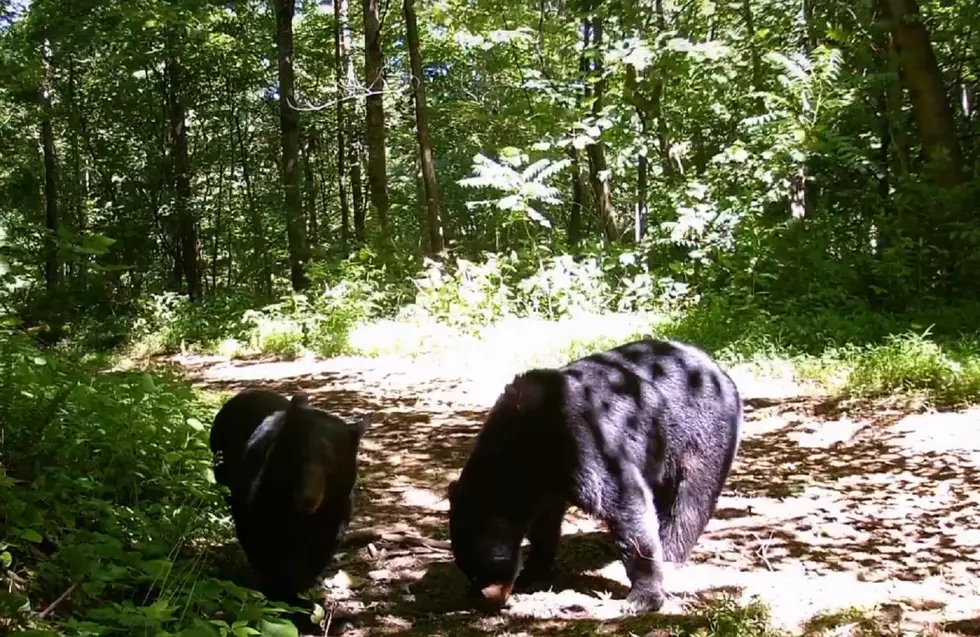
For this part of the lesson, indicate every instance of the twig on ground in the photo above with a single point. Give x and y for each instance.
(364, 537)
(326, 629)
(763, 549)
(47, 611)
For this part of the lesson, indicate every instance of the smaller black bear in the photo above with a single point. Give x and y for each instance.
(641, 436)
(291, 469)
(234, 424)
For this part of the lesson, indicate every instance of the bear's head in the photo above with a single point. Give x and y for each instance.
(485, 545)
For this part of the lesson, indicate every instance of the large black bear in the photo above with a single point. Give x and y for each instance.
(291, 470)
(641, 436)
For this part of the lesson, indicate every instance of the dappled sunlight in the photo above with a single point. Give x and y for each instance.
(830, 505)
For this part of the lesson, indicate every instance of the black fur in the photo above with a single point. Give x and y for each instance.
(641, 436)
(234, 424)
(291, 481)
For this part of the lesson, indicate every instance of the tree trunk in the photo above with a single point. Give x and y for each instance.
(186, 224)
(375, 122)
(598, 170)
(256, 226)
(52, 259)
(79, 271)
(433, 203)
(309, 183)
(357, 191)
(753, 47)
(643, 109)
(218, 218)
(341, 58)
(922, 77)
(289, 126)
(575, 214)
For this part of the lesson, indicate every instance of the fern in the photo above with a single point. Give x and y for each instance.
(518, 189)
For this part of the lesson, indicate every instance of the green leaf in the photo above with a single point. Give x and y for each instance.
(31, 535)
(280, 628)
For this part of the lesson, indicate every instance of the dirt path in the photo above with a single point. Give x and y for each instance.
(827, 509)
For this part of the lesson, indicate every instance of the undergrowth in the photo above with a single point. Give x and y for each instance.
(109, 514)
(509, 312)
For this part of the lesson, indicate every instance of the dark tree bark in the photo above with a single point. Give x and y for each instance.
(433, 202)
(341, 58)
(189, 245)
(598, 169)
(289, 126)
(375, 123)
(922, 77)
(52, 258)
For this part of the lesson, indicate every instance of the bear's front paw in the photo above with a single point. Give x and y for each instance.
(533, 574)
(643, 600)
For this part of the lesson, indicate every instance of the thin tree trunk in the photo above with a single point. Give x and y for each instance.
(52, 259)
(342, 39)
(309, 183)
(289, 128)
(575, 214)
(433, 202)
(922, 77)
(357, 191)
(256, 226)
(186, 224)
(375, 122)
(78, 192)
(598, 169)
(749, 19)
(643, 108)
(217, 226)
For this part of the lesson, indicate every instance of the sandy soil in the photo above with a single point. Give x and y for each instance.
(829, 507)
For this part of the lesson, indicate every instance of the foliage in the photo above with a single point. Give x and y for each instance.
(911, 362)
(107, 495)
(764, 164)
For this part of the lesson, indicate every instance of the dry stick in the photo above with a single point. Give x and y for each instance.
(326, 629)
(44, 613)
(366, 536)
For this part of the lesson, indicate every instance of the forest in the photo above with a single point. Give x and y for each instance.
(396, 206)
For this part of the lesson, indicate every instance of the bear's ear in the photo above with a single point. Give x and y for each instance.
(300, 399)
(360, 426)
(451, 489)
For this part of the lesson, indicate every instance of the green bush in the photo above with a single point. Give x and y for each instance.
(107, 495)
(912, 362)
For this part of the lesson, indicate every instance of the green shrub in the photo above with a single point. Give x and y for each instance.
(912, 362)
(107, 495)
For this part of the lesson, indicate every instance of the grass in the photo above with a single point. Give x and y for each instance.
(943, 372)
(912, 364)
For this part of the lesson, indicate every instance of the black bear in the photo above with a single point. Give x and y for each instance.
(641, 436)
(291, 470)
(234, 424)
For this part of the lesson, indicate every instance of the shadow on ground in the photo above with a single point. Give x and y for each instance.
(814, 489)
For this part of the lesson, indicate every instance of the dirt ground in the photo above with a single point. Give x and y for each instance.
(829, 507)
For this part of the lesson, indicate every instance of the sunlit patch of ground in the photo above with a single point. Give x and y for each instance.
(830, 506)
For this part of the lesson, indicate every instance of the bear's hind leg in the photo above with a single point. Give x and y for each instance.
(691, 504)
(636, 529)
